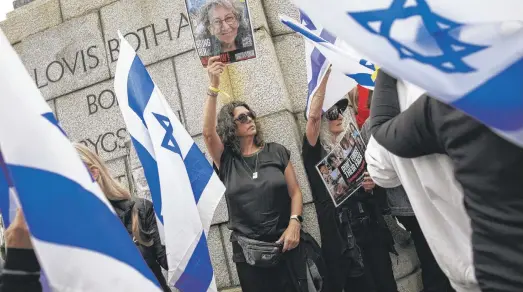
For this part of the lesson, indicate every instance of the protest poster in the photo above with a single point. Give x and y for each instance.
(343, 168)
(221, 28)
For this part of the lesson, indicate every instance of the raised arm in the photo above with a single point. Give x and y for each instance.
(312, 129)
(212, 140)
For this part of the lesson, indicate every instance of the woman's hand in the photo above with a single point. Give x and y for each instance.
(215, 68)
(291, 237)
(368, 184)
(17, 235)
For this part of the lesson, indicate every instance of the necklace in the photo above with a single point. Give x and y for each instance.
(255, 172)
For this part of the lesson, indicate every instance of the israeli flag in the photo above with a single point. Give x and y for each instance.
(80, 242)
(323, 49)
(466, 53)
(184, 188)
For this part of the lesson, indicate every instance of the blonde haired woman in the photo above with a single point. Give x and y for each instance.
(137, 215)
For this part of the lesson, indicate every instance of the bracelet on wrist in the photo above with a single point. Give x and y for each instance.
(212, 94)
(214, 89)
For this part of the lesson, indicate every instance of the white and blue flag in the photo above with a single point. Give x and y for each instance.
(184, 187)
(467, 53)
(80, 242)
(323, 49)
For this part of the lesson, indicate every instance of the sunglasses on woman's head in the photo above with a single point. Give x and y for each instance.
(334, 112)
(243, 118)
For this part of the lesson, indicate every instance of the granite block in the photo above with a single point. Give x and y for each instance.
(259, 82)
(302, 123)
(273, 8)
(407, 261)
(310, 222)
(228, 254)
(219, 263)
(116, 167)
(67, 57)
(140, 184)
(290, 49)
(74, 8)
(281, 128)
(92, 117)
(193, 82)
(257, 14)
(32, 18)
(411, 283)
(157, 29)
(52, 106)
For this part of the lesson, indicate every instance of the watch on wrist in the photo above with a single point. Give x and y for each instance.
(298, 218)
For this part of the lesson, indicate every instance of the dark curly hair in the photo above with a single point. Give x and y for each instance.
(227, 127)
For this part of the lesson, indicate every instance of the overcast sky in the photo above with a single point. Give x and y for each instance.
(5, 6)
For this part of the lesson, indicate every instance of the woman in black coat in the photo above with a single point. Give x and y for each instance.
(137, 215)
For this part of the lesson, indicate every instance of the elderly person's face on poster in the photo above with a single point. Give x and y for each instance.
(224, 25)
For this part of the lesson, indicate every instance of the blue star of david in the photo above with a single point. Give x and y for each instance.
(440, 30)
(168, 141)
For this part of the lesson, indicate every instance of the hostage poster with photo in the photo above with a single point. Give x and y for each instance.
(343, 168)
(221, 28)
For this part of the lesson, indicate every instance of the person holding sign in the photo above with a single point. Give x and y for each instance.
(355, 238)
(263, 196)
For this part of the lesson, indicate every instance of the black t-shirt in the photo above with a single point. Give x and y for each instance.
(259, 208)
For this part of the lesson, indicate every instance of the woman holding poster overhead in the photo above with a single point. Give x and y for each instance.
(355, 239)
(263, 196)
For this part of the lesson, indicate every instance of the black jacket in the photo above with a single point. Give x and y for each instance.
(489, 168)
(21, 272)
(153, 255)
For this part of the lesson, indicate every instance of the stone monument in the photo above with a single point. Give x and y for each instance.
(70, 48)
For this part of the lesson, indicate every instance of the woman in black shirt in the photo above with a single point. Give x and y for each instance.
(263, 196)
(355, 239)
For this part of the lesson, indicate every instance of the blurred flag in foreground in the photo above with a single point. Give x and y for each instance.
(184, 188)
(80, 242)
(466, 53)
(323, 49)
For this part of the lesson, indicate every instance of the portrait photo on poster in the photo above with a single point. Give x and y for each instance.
(221, 28)
(342, 170)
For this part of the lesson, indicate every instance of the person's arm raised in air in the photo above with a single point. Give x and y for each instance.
(212, 140)
(312, 129)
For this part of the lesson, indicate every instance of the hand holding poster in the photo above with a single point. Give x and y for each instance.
(221, 28)
(343, 168)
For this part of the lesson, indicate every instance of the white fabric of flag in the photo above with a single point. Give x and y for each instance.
(184, 187)
(80, 242)
(323, 49)
(466, 53)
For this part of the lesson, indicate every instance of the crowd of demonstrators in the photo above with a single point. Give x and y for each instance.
(487, 167)
(263, 197)
(355, 239)
(433, 278)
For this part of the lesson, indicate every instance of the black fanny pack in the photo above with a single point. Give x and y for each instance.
(259, 253)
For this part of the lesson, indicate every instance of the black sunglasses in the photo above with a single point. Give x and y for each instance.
(334, 112)
(243, 118)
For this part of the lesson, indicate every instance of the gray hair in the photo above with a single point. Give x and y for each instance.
(236, 7)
